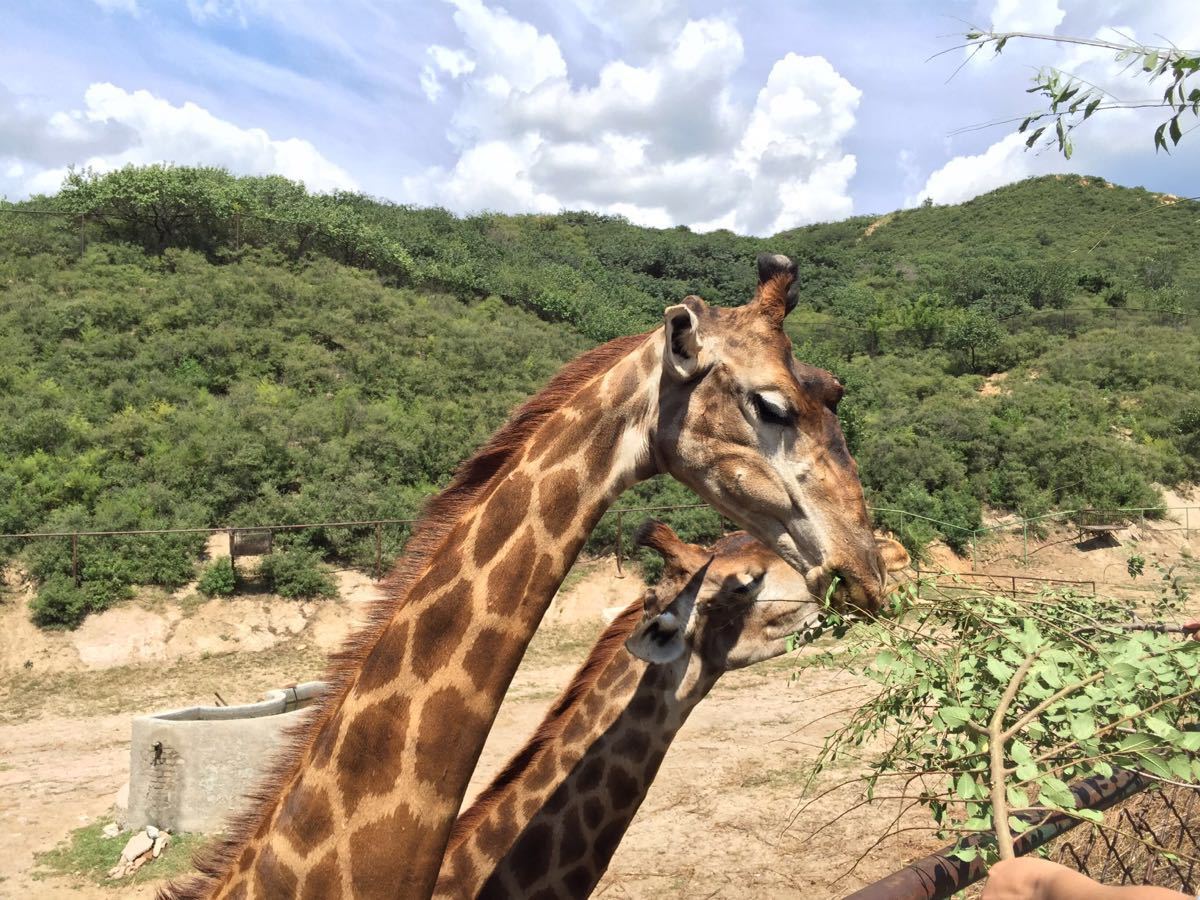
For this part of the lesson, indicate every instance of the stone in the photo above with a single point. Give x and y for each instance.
(139, 845)
(151, 832)
(160, 844)
(111, 830)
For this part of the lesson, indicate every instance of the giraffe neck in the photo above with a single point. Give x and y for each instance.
(366, 803)
(551, 821)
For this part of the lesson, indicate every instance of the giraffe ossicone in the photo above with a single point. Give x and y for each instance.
(362, 802)
(549, 823)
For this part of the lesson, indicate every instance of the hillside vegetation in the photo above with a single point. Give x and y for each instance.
(182, 347)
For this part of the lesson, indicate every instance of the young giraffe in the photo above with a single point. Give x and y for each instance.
(362, 803)
(548, 824)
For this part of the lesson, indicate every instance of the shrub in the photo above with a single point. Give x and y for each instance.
(218, 578)
(59, 604)
(296, 573)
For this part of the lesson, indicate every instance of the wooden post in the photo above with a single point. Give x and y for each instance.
(232, 553)
(378, 549)
(1025, 541)
(620, 520)
(75, 558)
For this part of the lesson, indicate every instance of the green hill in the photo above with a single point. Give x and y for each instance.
(182, 347)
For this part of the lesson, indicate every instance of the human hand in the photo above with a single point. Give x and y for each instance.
(1032, 878)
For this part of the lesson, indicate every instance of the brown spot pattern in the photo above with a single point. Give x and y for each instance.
(505, 510)
(531, 854)
(478, 664)
(558, 501)
(324, 881)
(439, 629)
(305, 818)
(370, 759)
(383, 661)
(508, 583)
(373, 855)
(444, 718)
(271, 878)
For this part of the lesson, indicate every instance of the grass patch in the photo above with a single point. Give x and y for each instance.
(87, 853)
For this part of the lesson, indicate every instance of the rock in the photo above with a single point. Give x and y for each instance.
(111, 830)
(151, 832)
(139, 845)
(160, 844)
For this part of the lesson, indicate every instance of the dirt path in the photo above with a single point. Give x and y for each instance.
(714, 824)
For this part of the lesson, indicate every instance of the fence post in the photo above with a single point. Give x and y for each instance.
(378, 549)
(75, 558)
(1014, 583)
(1187, 523)
(620, 571)
(1025, 541)
(974, 542)
(232, 553)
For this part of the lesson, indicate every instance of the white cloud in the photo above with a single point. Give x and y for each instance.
(965, 177)
(214, 10)
(663, 142)
(1040, 16)
(443, 61)
(118, 127)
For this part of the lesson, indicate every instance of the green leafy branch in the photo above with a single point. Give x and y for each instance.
(1071, 101)
(992, 705)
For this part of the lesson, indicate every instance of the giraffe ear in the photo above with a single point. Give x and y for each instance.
(895, 557)
(682, 340)
(661, 636)
(777, 286)
(679, 557)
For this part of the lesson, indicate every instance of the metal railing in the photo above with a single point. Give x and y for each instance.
(621, 512)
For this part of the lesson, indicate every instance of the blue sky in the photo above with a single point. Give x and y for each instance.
(749, 115)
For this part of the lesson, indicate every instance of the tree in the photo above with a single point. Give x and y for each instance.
(1073, 101)
(988, 707)
(973, 331)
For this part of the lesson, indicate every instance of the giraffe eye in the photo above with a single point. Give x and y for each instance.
(771, 410)
(748, 584)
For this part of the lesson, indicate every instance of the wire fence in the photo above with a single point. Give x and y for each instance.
(255, 540)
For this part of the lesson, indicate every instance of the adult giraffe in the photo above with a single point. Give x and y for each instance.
(550, 821)
(362, 803)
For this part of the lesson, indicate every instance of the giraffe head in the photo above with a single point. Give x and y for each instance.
(756, 434)
(732, 605)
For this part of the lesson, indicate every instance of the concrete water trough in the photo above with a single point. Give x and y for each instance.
(190, 768)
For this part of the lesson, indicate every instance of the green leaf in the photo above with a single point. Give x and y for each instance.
(966, 854)
(1017, 798)
(1092, 815)
(1019, 826)
(1020, 753)
(1083, 726)
(1175, 131)
(955, 716)
(1055, 791)
(1181, 766)
(1103, 769)
(965, 788)
(999, 670)
(1027, 771)
(1090, 108)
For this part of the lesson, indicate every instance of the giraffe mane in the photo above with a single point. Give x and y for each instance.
(611, 642)
(439, 516)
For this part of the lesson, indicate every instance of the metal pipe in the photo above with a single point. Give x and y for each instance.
(940, 875)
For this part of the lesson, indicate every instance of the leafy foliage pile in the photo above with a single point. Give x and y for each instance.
(183, 347)
(989, 706)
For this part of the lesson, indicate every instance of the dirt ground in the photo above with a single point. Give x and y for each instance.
(720, 820)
